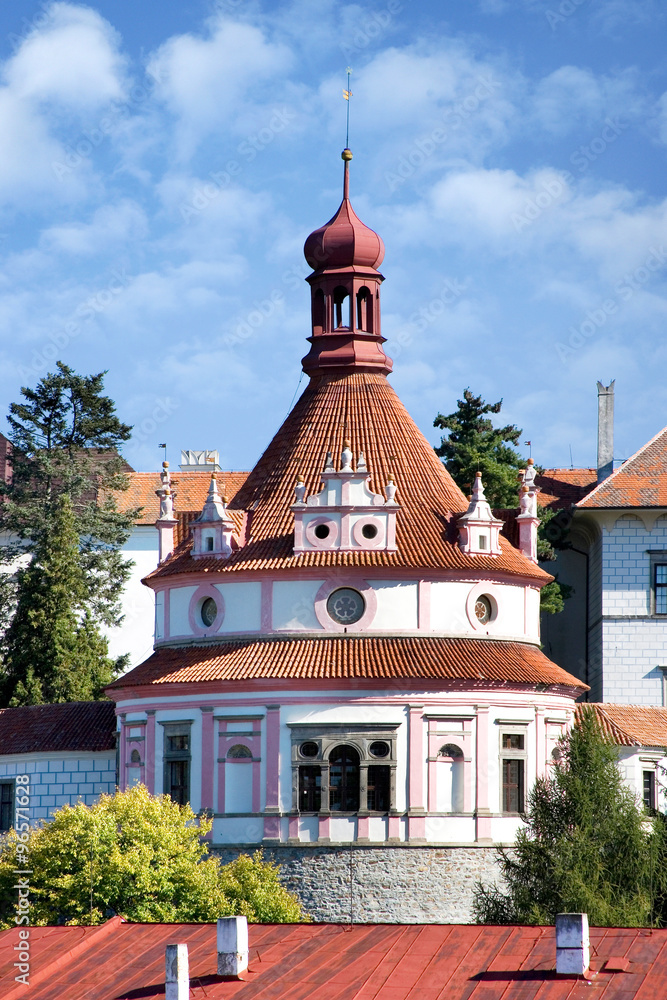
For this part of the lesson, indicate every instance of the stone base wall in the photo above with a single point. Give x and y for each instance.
(393, 885)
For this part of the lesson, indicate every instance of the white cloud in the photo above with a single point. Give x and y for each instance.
(71, 58)
(111, 226)
(572, 96)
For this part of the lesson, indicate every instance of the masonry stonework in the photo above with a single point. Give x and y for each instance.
(393, 885)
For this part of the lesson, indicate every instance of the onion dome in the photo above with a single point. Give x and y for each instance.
(344, 241)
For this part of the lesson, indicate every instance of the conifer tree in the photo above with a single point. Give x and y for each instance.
(65, 437)
(54, 652)
(588, 846)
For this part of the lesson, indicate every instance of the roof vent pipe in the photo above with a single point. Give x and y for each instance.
(177, 972)
(572, 944)
(232, 945)
(605, 430)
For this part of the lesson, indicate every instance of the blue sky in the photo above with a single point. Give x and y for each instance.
(162, 164)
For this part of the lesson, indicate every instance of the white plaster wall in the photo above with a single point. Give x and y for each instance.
(159, 615)
(294, 605)
(633, 651)
(238, 788)
(396, 605)
(238, 830)
(243, 606)
(626, 565)
(343, 829)
(450, 829)
(448, 606)
(135, 634)
(179, 605)
(633, 761)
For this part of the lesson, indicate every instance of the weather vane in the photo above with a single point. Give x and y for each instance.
(347, 94)
(165, 450)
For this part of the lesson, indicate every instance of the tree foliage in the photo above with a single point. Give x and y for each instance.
(143, 857)
(588, 846)
(59, 512)
(54, 652)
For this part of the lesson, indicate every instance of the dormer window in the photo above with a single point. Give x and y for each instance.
(209, 544)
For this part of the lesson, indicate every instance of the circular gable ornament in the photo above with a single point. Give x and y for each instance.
(346, 606)
(483, 609)
(209, 612)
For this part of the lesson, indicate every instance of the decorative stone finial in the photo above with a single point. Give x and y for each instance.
(390, 491)
(300, 489)
(328, 463)
(361, 464)
(346, 458)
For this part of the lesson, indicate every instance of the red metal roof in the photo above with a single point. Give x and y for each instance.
(639, 482)
(78, 725)
(629, 725)
(348, 657)
(122, 961)
(364, 408)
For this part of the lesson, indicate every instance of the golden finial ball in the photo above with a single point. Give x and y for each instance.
(346, 154)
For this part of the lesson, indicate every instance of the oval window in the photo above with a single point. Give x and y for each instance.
(209, 612)
(483, 610)
(322, 531)
(369, 531)
(309, 749)
(346, 606)
(379, 749)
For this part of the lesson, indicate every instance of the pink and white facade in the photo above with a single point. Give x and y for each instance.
(347, 651)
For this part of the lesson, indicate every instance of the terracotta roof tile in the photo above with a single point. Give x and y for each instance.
(629, 725)
(190, 489)
(639, 482)
(78, 725)
(364, 408)
(348, 657)
(564, 487)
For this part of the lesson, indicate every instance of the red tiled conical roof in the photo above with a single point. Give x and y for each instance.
(363, 408)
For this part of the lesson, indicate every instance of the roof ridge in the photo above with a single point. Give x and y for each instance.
(626, 467)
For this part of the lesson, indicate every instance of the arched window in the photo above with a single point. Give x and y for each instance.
(451, 750)
(238, 751)
(344, 779)
(318, 311)
(135, 757)
(364, 310)
(310, 788)
(341, 302)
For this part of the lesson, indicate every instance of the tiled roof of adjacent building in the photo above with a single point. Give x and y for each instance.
(338, 962)
(563, 487)
(363, 408)
(639, 482)
(629, 725)
(190, 489)
(77, 725)
(346, 658)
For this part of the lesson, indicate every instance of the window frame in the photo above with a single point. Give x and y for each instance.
(519, 756)
(328, 736)
(11, 784)
(176, 756)
(657, 558)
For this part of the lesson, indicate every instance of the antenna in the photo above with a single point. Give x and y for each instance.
(347, 94)
(529, 444)
(165, 450)
(571, 462)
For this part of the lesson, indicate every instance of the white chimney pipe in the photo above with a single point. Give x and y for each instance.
(573, 950)
(177, 972)
(232, 945)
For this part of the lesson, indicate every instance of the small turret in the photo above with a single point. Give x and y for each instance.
(212, 532)
(528, 519)
(479, 530)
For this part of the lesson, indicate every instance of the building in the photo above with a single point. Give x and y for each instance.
(347, 665)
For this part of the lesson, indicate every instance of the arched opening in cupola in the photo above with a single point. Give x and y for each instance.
(341, 305)
(364, 310)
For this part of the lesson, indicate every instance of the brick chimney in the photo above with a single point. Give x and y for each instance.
(572, 943)
(605, 430)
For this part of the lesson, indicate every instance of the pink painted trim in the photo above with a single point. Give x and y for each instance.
(424, 605)
(207, 758)
(150, 751)
(221, 771)
(363, 827)
(167, 611)
(201, 593)
(416, 827)
(394, 828)
(272, 828)
(324, 828)
(380, 539)
(484, 589)
(335, 583)
(293, 832)
(416, 757)
(122, 777)
(345, 526)
(256, 786)
(432, 785)
(272, 757)
(266, 622)
(540, 742)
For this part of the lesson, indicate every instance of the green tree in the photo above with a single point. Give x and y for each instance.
(474, 445)
(65, 437)
(53, 650)
(588, 846)
(141, 856)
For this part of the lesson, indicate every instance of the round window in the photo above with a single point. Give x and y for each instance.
(346, 606)
(209, 612)
(483, 610)
(322, 531)
(369, 531)
(379, 749)
(309, 749)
